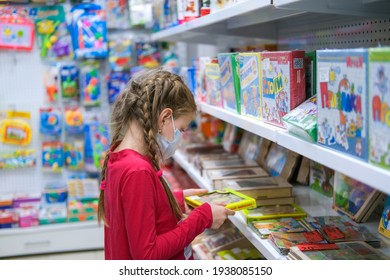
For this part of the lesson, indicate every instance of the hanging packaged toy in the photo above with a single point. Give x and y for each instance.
(74, 154)
(69, 79)
(15, 128)
(52, 156)
(50, 121)
(118, 14)
(50, 80)
(52, 32)
(89, 31)
(18, 159)
(116, 84)
(120, 53)
(96, 145)
(90, 83)
(148, 54)
(74, 123)
(16, 32)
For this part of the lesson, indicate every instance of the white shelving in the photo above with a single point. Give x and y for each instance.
(51, 238)
(374, 176)
(311, 201)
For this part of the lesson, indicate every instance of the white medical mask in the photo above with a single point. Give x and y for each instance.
(168, 148)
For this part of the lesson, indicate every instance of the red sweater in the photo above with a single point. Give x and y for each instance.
(141, 224)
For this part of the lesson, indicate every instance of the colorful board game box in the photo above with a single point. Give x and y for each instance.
(213, 86)
(250, 77)
(231, 199)
(384, 224)
(353, 198)
(379, 103)
(265, 227)
(230, 81)
(283, 78)
(342, 98)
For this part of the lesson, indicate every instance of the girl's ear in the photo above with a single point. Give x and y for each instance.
(165, 115)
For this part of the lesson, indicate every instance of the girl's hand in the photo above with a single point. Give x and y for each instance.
(220, 214)
(190, 192)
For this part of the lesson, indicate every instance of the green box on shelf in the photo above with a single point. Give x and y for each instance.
(230, 81)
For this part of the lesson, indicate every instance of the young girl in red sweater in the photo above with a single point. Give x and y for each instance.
(143, 218)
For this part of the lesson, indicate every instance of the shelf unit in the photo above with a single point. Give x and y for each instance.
(51, 238)
(292, 24)
(374, 176)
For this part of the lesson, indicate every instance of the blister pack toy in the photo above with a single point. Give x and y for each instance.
(116, 84)
(74, 154)
(15, 128)
(118, 14)
(89, 31)
(74, 121)
(50, 81)
(69, 79)
(16, 32)
(52, 156)
(90, 83)
(50, 121)
(148, 54)
(52, 32)
(120, 53)
(96, 145)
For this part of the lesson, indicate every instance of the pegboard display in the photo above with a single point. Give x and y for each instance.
(336, 34)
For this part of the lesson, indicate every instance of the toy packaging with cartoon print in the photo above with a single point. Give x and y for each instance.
(379, 103)
(284, 84)
(250, 84)
(342, 100)
(213, 86)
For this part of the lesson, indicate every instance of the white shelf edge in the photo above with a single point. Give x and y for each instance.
(250, 124)
(360, 170)
(49, 228)
(265, 246)
(192, 171)
(238, 9)
(365, 172)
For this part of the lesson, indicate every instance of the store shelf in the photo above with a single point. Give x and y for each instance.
(374, 176)
(250, 124)
(51, 238)
(192, 171)
(366, 8)
(230, 22)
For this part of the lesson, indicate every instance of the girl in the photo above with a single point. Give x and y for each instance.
(142, 218)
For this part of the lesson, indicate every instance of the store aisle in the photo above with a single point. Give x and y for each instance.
(81, 255)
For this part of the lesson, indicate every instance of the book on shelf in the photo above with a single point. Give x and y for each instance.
(281, 162)
(285, 240)
(276, 201)
(321, 178)
(261, 188)
(217, 176)
(341, 229)
(384, 223)
(353, 198)
(273, 212)
(226, 164)
(230, 198)
(355, 250)
(264, 228)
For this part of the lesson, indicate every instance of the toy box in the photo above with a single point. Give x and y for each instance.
(213, 86)
(200, 76)
(230, 81)
(302, 121)
(379, 103)
(283, 77)
(341, 100)
(321, 178)
(250, 77)
(231, 199)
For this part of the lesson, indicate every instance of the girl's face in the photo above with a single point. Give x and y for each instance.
(181, 123)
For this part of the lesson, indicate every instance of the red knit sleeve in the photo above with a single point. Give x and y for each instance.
(180, 199)
(139, 198)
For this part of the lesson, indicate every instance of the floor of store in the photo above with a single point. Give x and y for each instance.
(81, 255)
